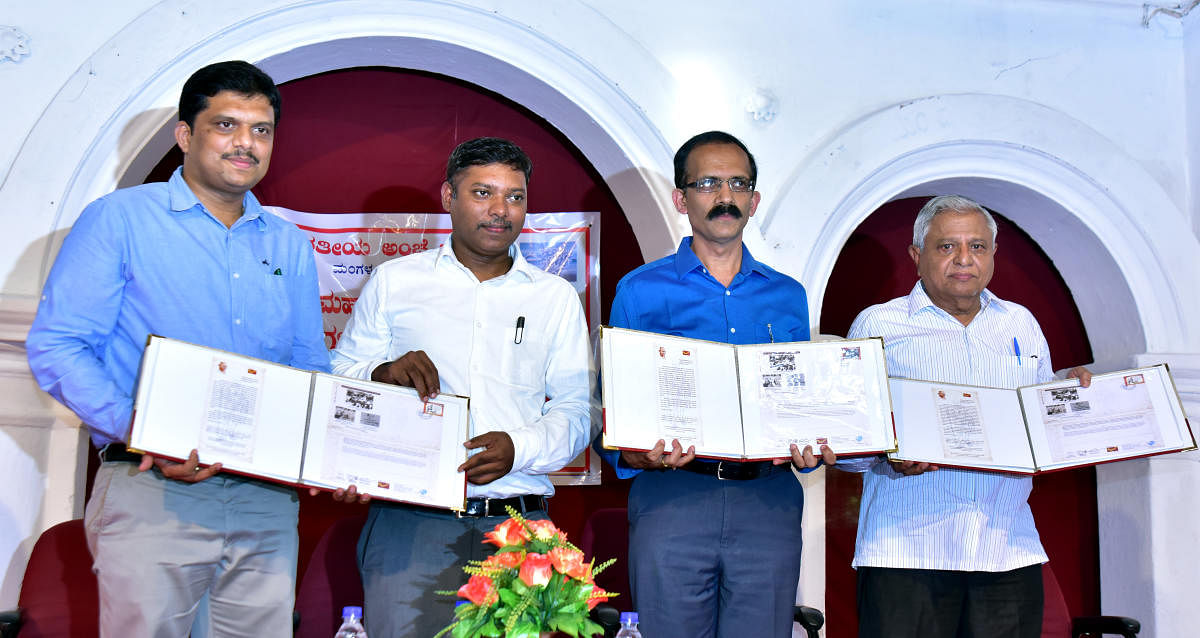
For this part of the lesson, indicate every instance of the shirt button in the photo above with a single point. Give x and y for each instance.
(478, 324)
(727, 293)
(238, 321)
(235, 275)
(733, 330)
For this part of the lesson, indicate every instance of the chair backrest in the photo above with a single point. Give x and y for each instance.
(59, 597)
(331, 581)
(1056, 618)
(606, 535)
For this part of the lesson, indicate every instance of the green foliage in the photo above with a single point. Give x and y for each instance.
(521, 610)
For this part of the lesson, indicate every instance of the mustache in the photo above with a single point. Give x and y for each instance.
(725, 209)
(246, 154)
(506, 225)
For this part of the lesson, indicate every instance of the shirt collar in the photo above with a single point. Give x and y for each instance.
(686, 261)
(520, 265)
(919, 300)
(183, 199)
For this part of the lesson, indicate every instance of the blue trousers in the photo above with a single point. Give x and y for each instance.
(712, 558)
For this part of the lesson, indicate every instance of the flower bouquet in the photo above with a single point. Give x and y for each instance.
(536, 582)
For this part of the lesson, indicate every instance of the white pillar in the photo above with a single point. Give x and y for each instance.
(42, 455)
(1149, 514)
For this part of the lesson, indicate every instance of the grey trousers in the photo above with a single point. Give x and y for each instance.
(215, 558)
(405, 554)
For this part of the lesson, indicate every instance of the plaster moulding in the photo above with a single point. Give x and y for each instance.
(124, 116)
(14, 44)
(1074, 191)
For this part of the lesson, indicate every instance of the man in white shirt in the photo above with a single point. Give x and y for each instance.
(951, 553)
(471, 318)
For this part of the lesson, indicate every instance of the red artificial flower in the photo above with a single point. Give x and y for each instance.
(569, 561)
(510, 532)
(596, 597)
(480, 590)
(503, 560)
(536, 570)
(544, 530)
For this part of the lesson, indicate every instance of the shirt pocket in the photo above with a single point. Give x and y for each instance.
(523, 365)
(1010, 371)
(271, 315)
(779, 331)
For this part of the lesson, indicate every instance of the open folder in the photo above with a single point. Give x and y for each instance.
(744, 401)
(293, 426)
(1039, 428)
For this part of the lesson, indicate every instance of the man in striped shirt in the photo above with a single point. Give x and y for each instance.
(951, 553)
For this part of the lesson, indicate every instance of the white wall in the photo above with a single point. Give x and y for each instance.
(1067, 115)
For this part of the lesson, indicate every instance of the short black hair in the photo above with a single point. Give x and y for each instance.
(234, 75)
(710, 137)
(482, 151)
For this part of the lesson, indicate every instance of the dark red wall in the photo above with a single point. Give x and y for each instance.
(875, 266)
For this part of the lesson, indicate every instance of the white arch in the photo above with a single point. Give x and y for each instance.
(1074, 191)
(119, 127)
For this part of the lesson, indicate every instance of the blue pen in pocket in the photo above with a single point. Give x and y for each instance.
(1017, 351)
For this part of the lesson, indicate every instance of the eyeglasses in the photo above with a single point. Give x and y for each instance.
(713, 184)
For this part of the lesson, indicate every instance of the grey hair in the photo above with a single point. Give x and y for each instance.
(942, 204)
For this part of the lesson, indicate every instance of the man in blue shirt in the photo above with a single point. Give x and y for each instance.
(178, 548)
(714, 550)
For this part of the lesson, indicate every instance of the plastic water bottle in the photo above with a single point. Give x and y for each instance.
(629, 628)
(352, 626)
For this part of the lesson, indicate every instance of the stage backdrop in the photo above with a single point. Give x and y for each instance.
(348, 246)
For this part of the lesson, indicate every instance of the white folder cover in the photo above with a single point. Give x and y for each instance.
(744, 402)
(293, 426)
(1044, 427)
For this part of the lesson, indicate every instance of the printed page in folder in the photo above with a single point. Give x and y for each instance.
(294, 426)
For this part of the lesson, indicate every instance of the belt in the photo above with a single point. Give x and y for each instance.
(117, 452)
(737, 471)
(480, 507)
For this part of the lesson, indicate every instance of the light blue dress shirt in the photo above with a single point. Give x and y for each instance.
(951, 519)
(676, 295)
(152, 260)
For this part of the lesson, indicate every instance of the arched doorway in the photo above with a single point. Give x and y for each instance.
(873, 267)
(120, 129)
(376, 140)
(1079, 197)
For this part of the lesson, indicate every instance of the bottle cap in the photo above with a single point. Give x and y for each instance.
(352, 611)
(628, 617)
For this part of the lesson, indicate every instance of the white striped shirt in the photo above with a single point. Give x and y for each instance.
(950, 519)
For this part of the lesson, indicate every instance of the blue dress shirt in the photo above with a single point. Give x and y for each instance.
(676, 295)
(152, 260)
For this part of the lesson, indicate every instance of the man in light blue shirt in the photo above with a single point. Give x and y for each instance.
(178, 548)
(951, 553)
(714, 550)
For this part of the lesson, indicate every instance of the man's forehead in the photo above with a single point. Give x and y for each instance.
(232, 104)
(718, 156)
(957, 224)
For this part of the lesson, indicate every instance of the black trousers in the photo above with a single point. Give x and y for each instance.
(929, 603)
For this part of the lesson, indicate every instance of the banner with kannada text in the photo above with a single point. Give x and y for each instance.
(348, 246)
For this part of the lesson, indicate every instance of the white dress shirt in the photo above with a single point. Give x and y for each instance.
(538, 391)
(950, 519)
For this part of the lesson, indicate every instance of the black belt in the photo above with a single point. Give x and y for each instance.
(117, 452)
(480, 507)
(737, 471)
